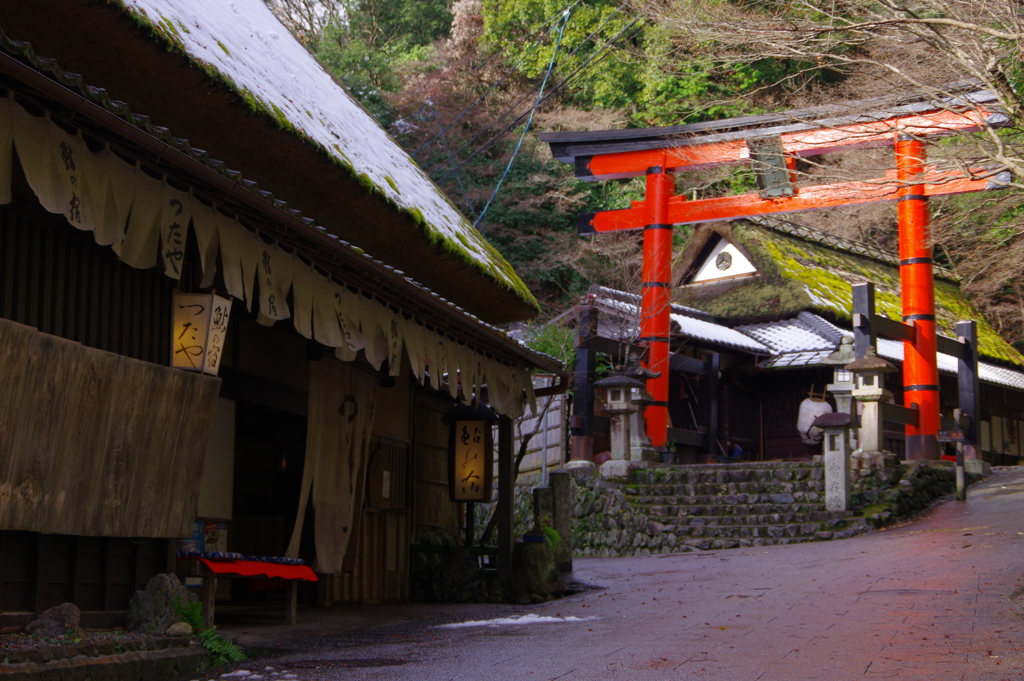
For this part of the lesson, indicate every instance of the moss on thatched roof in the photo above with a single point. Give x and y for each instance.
(804, 269)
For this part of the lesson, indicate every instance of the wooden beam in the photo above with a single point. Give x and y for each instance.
(797, 139)
(691, 438)
(711, 400)
(687, 364)
(683, 212)
(968, 388)
(890, 328)
(506, 492)
(583, 386)
(610, 346)
(952, 347)
(899, 414)
(864, 332)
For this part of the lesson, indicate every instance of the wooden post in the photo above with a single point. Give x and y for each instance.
(967, 380)
(292, 603)
(506, 492)
(208, 594)
(713, 361)
(864, 335)
(583, 388)
(470, 520)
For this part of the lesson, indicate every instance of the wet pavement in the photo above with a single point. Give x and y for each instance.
(933, 599)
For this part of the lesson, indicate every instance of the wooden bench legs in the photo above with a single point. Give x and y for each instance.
(292, 602)
(208, 595)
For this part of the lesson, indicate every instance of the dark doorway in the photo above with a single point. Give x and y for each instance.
(270, 451)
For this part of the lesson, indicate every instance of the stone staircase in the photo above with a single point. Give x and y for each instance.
(735, 505)
(721, 506)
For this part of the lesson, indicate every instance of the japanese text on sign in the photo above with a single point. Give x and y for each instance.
(470, 461)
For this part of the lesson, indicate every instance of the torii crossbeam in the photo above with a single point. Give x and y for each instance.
(773, 143)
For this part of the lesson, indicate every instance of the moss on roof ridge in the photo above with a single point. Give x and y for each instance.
(830, 292)
(497, 268)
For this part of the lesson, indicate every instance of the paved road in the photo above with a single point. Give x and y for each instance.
(934, 599)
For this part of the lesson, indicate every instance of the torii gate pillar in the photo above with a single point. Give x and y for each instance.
(656, 280)
(920, 363)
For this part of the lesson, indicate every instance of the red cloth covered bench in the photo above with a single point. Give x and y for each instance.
(209, 570)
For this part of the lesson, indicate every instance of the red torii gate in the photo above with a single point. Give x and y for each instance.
(774, 142)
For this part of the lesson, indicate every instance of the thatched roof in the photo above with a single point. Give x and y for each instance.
(229, 79)
(804, 269)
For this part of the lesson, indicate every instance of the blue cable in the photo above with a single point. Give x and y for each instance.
(529, 121)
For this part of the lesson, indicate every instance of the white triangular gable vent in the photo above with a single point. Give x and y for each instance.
(724, 262)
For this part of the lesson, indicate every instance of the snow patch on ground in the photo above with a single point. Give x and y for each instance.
(515, 621)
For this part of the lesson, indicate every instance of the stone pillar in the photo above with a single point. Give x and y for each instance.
(561, 518)
(836, 446)
(543, 506)
(620, 440)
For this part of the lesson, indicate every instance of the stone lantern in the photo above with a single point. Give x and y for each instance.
(836, 427)
(842, 384)
(870, 372)
(624, 395)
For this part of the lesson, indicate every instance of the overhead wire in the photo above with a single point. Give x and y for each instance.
(593, 60)
(547, 27)
(519, 144)
(444, 140)
(557, 88)
(529, 92)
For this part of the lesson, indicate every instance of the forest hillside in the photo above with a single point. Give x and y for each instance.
(465, 86)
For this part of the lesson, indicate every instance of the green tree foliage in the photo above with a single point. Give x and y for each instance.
(364, 46)
(524, 32)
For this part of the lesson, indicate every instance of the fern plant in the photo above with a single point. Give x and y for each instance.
(221, 650)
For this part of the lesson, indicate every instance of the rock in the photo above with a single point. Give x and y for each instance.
(534, 570)
(456, 579)
(654, 528)
(180, 629)
(153, 610)
(617, 468)
(57, 622)
(782, 498)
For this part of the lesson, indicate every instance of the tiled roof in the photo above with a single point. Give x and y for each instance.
(796, 359)
(686, 321)
(717, 334)
(799, 334)
(793, 344)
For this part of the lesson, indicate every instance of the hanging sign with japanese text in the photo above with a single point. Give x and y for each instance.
(199, 327)
(470, 461)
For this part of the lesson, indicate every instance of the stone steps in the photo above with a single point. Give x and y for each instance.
(727, 500)
(666, 509)
(722, 489)
(726, 473)
(833, 517)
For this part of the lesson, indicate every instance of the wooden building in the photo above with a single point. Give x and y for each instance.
(770, 300)
(147, 148)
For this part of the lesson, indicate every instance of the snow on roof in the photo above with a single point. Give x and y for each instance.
(796, 359)
(789, 336)
(791, 341)
(686, 321)
(241, 43)
(717, 334)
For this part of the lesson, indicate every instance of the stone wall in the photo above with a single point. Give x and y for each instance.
(915, 487)
(609, 522)
(606, 524)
